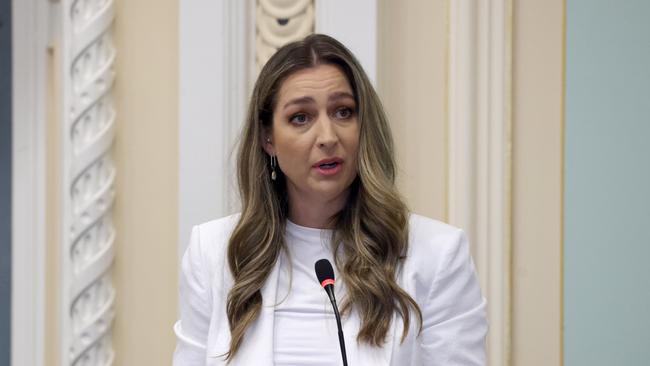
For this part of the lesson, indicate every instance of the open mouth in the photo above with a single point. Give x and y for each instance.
(329, 165)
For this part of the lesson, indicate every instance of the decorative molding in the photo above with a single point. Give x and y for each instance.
(87, 252)
(279, 22)
(29, 38)
(479, 151)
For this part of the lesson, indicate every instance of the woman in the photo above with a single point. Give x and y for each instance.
(317, 180)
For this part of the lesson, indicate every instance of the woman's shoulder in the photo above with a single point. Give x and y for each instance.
(429, 235)
(218, 229)
(434, 247)
(210, 239)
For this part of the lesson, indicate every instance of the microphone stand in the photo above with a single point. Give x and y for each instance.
(325, 275)
(338, 324)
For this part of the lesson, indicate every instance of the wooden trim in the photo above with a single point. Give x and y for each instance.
(562, 179)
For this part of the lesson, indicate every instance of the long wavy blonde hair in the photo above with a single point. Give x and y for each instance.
(370, 232)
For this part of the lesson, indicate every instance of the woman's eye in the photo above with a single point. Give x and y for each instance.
(298, 119)
(343, 113)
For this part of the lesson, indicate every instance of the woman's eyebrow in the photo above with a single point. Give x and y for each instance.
(300, 100)
(340, 95)
(309, 100)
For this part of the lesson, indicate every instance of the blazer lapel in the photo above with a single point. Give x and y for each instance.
(257, 347)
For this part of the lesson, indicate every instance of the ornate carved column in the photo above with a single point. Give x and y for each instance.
(279, 22)
(88, 182)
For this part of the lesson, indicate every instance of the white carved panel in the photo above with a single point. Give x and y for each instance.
(88, 295)
(479, 151)
(279, 22)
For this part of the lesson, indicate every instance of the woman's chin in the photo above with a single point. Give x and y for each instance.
(328, 191)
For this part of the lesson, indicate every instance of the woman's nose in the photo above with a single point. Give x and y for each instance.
(326, 133)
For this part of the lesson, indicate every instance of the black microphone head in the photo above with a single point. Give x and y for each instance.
(324, 271)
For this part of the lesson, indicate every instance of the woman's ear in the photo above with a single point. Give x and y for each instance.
(267, 141)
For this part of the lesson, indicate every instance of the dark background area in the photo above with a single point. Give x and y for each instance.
(5, 182)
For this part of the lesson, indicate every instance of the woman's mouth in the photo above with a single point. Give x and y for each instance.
(328, 167)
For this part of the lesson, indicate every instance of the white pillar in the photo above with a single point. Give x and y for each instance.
(215, 64)
(353, 23)
(88, 122)
(29, 37)
(479, 151)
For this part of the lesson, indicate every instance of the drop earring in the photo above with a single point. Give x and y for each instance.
(273, 161)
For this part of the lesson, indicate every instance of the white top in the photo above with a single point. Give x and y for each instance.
(305, 327)
(438, 273)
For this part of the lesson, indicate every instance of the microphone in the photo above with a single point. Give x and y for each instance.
(325, 275)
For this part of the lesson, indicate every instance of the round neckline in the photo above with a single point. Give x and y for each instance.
(306, 228)
(306, 232)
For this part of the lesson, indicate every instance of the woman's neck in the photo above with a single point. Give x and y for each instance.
(315, 213)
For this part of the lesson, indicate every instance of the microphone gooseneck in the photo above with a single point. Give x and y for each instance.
(325, 275)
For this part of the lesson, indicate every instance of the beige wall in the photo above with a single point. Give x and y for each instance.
(146, 156)
(538, 54)
(412, 69)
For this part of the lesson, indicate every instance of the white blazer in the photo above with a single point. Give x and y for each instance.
(438, 273)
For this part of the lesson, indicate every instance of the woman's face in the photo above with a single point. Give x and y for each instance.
(315, 134)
